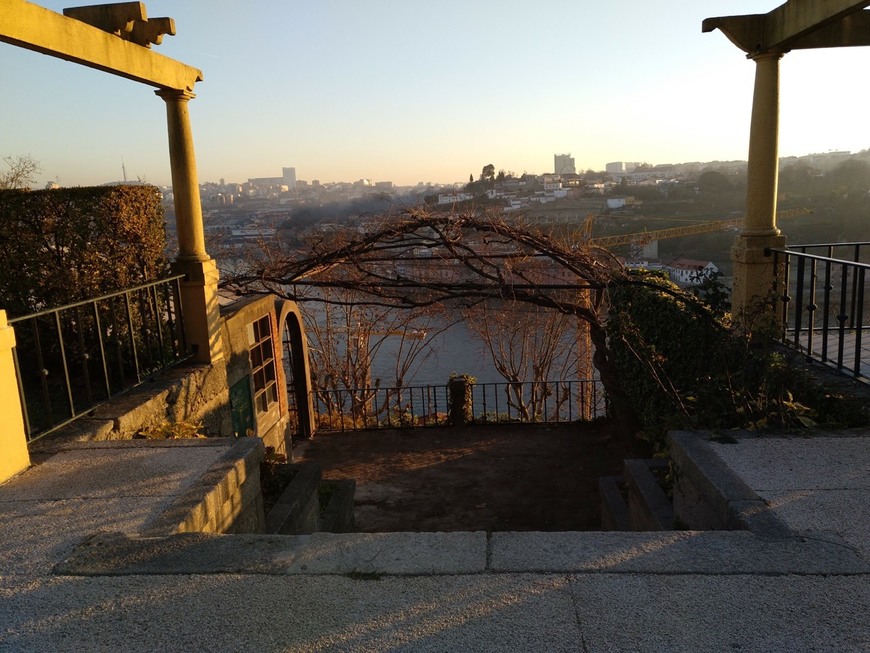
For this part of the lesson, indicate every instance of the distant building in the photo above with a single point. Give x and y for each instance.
(618, 167)
(564, 164)
(289, 176)
(453, 198)
(689, 272)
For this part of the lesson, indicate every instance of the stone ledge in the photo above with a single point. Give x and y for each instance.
(183, 393)
(648, 507)
(220, 496)
(433, 554)
(135, 443)
(708, 495)
(614, 510)
(671, 552)
(318, 553)
(297, 510)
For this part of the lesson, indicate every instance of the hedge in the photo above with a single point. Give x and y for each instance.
(63, 245)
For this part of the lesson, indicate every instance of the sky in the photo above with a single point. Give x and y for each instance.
(408, 92)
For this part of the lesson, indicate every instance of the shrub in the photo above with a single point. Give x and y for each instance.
(63, 245)
(683, 365)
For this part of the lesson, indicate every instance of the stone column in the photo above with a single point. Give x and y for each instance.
(199, 290)
(753, 271)
(14, 457)
(460, 411)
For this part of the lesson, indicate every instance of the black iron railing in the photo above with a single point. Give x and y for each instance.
(822, 296)
(531, 402)
(374, 408)
(71, 359)
(547, 402)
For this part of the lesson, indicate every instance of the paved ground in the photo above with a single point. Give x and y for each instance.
(508, 477)
(61, 590)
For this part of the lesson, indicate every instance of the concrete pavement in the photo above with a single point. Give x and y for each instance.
(76, 573)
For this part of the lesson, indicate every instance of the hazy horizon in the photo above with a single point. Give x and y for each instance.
(408, 94)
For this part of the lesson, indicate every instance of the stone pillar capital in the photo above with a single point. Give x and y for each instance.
(758, 57)
(177, 95)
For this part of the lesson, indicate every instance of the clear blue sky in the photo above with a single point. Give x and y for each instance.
(412, 91)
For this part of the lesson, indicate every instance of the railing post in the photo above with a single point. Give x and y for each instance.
(14, 457)
(459, 413)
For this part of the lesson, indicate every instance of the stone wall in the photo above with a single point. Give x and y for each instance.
(271, 425)
(195, 394)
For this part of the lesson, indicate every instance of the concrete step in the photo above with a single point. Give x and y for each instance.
(635, 501)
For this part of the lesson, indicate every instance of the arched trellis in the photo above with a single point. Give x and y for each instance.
(418, 258)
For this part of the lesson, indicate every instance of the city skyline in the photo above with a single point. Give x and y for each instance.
(388, 92)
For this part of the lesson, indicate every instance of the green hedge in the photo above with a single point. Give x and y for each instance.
(683, 365)
(64, 245)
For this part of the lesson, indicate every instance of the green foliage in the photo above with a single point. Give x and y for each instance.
(672, 354)
(683, 366)
(63, 245)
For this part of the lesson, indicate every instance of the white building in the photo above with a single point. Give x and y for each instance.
(453, 198)
(689, 272)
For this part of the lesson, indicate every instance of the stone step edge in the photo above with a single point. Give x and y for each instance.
(452, 553)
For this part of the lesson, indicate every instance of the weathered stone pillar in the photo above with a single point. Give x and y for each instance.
(14, 457)
(185, 185)
(199, 290)
(460, 410)
(753, 271)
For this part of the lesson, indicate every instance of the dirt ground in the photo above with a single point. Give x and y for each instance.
(492, 478)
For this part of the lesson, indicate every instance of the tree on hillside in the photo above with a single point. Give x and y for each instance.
(853, 175)
(713, 181)
(21, 173)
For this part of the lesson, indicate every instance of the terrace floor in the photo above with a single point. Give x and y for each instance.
(512, 477)
(64, 586)
(851, 347)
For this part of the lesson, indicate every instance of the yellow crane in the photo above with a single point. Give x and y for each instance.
(641, 238)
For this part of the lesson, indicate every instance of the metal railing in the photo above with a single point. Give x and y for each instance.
(542, 402)
(380, 408)
(546, 402)
(70, 359)
(822, 296)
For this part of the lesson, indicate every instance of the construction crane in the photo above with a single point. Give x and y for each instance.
(641, 238)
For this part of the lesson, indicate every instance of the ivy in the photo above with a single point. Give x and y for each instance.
(682, 364)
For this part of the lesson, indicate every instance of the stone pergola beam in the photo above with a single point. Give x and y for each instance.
(851, 31)
(797, 24)
(796, 19)
(32, 27)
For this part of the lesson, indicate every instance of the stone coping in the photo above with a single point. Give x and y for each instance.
(676, 552)
(737, 505)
